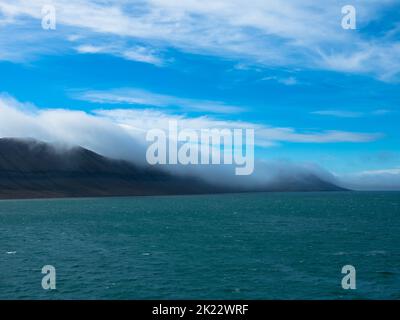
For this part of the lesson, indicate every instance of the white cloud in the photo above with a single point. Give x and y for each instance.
(116, 132)
(301, 33)
(338, 113)
(23, 120)
(136, 53)
(383, 179)
(289, 81)
(384, 171)
(141, 121)
(351, 114)
(120, 134)
(373, 57)
(134, 96)
(90, 49)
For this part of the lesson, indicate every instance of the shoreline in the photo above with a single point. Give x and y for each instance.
(190, 195)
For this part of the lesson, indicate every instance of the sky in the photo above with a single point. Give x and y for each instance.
(314, 92)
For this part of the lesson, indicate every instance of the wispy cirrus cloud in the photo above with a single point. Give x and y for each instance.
(301, 33)
(94, 129)
(338, 113)
(139, 97)
(382, 171)
(287, 81)
(140, 121)
(350, 114)
(135, 53)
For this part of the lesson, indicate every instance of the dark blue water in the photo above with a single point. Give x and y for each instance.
(247, 246)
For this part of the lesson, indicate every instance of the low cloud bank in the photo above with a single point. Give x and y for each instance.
(121, 134)
(380, 180)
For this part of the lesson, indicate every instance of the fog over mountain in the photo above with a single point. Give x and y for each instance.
(33, 169)
(111, 135)
(30, 169)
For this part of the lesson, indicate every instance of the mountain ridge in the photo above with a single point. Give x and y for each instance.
(34, 169)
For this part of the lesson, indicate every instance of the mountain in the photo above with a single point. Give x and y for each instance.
(34, 169)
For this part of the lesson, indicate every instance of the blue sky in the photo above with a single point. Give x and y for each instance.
(314, 91)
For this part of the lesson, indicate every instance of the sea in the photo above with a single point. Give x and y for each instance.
(230, 246)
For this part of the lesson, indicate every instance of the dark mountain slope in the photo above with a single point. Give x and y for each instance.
(30, 169)
(33, 169)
